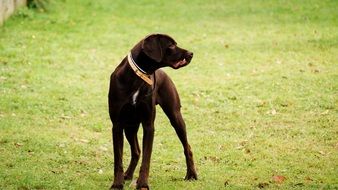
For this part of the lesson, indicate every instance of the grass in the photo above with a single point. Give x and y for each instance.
(259, 99)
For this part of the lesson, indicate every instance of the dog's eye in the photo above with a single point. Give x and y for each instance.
(172, 47)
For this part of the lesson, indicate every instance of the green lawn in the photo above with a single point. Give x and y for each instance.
(259, 98)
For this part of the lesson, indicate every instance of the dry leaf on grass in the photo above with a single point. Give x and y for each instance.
(278, 179)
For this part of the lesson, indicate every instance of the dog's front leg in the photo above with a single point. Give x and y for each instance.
(117, 133)
(179, 126)
(148, 138)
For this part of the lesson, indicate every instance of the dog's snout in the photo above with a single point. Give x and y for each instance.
(190, 54)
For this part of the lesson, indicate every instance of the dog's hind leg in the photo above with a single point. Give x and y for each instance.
(147, 145)
(131, 135)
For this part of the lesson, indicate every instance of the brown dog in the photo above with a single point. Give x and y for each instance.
(136, 86)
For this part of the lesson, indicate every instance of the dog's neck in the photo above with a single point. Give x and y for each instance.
(138, 71)
(147, 64)
(134, 65)
(143, 62)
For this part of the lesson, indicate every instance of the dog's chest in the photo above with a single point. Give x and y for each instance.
(140, 95)
(134, 97)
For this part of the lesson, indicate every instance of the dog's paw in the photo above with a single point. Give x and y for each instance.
(191, 176)
(116, 187)
(142, 186)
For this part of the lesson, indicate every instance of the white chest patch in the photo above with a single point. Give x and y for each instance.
(134, 97)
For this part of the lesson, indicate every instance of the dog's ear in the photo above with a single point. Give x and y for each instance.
(151, 46)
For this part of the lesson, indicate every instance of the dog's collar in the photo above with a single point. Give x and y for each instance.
(138, 71)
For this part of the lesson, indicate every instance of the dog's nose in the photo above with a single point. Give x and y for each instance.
(190, 54)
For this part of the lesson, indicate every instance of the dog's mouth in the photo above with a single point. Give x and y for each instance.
(180, 64)
(183, 61)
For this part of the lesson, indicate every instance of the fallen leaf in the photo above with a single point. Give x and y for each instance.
(65, 117)
(299, 184)
(261, 103)
(18, 144)
(278, 179)
(273, 112)
(244, 142)
(100, 171)
(104, 149)
(325, 112)
(84, 140)
(213, 159)
(308, 178)
(30, 152)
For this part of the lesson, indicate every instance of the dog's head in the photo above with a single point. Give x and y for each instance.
(164, 50)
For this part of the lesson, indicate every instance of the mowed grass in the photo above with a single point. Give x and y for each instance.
(259, 98)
